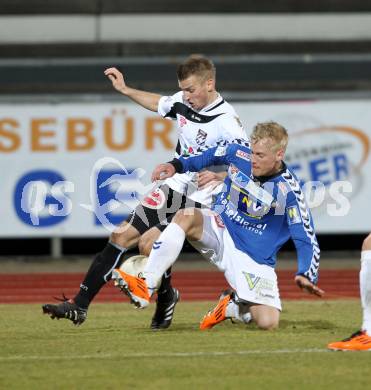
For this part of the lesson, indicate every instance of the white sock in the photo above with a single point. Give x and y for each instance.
(237, 312)
(164, 253)
(365, 287)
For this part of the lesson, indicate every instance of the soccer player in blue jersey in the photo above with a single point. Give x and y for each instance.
(259, 209)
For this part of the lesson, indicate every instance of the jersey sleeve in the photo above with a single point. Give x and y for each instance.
(166, 104)
(231, 127)
(301, 229)
(221, 154)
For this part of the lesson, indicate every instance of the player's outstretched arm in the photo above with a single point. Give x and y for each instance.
(211, 156)
(305, 284)
(147, 100)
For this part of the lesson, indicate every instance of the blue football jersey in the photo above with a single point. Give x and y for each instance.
(261, 214)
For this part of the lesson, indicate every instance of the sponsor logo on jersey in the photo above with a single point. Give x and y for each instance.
(294, 215)
(242, 154)
(250, 187)
(155, 199)
(201, 137)
(244, 220)
(252, 280)
(258, 283)
(248, 205)
(196, 118)
(252, 200)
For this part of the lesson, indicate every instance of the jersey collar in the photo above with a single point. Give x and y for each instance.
(263, 179)
(212, 105)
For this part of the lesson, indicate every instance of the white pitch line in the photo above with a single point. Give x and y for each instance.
(163, 355)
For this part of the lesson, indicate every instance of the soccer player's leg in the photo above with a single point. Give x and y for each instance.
(219, 312)
(167, 296)
(187, 223)
(100, 272)
(361, 340)
(237, 310)
(256, 295)
(163, 255)
(257, 290)
(266, 317)
(228, 307)
(134, 287)
(157, 207)
(210, 246)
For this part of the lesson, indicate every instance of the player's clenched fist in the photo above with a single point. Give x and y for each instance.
(117, 79)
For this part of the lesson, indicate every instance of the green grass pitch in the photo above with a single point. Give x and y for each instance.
(114, 349)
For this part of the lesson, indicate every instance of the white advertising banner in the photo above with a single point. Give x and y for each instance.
(329, 149)
(68, 170)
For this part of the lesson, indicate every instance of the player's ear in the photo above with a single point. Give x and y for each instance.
(210, 85)
(280, 154)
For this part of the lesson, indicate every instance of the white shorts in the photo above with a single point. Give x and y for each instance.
(253, 282)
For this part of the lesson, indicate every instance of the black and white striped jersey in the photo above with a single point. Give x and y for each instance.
(214, 123)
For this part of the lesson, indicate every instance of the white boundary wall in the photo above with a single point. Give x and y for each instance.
(185, 27)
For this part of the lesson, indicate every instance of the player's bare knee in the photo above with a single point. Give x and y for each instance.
(267, 323)
(265, 317)
(125, 236)
(191, 221)
(184, 218)
(366, 246)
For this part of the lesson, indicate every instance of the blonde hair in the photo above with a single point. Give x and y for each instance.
(272, 130)
(197, 65)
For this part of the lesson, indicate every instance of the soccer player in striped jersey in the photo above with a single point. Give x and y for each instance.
(361, 340)
(203, 118)
(259, 209)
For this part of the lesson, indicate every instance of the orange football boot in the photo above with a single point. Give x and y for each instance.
(358, 341)
(135, 288)
(213, 317)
